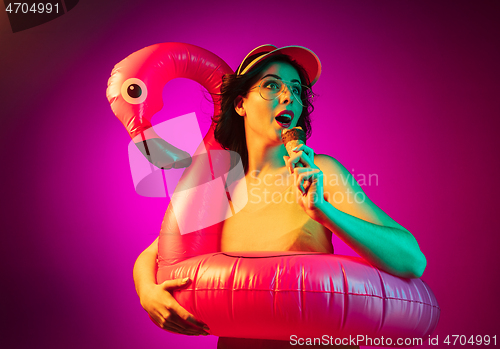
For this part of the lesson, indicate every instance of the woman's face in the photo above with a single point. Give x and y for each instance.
(260, 114)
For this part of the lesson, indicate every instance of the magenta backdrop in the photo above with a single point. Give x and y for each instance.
(409, 92)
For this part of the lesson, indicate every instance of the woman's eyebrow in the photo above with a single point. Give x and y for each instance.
(279, 78)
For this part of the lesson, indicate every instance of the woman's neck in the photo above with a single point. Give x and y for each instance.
(265, 158)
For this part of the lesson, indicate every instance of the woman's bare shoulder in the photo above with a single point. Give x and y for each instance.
(329, 165)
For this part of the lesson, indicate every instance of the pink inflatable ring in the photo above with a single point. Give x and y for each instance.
(274, 295)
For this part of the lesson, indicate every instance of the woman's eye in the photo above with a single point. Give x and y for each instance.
(272, 85)
(296, 90)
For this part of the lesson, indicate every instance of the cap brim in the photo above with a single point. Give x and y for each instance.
(303, 56)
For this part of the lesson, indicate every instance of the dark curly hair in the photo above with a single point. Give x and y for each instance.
(230, 127)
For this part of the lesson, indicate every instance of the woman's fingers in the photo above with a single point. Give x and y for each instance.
(183, 325)
(307, 150)
(305, 176)
(298, 159)
(287, 163)
(166, 323)
(187, 318)
(310, 184)
(306, 185)
(176, 283)
(175, 318)
(162, 321)
(302, 156)
(290, 165)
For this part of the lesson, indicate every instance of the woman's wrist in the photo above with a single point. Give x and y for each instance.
(319, 211)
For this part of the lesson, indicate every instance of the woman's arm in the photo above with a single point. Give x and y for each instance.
(145, 268)
(157, 300)
(364, 226)
(388, 248)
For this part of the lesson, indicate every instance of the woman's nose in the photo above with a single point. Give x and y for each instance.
(286, 95)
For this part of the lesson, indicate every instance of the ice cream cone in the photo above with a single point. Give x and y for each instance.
(292, 138)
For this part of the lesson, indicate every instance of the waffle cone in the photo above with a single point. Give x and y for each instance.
(292, 138)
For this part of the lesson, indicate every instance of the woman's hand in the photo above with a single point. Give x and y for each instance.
(167, 313)
(308, 179)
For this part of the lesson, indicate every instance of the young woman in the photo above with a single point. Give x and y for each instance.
(292, 202)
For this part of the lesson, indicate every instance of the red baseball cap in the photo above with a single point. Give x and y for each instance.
(305, 57)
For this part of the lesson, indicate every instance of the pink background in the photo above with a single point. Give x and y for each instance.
(409, 91)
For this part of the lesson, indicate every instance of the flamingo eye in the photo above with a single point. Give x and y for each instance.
(134, 91)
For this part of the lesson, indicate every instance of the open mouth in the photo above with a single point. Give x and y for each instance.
(284, 120)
